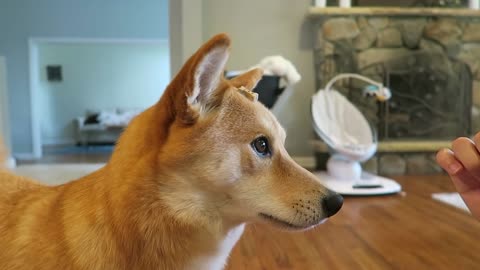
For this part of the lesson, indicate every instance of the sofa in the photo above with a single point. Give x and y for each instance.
(103, 126)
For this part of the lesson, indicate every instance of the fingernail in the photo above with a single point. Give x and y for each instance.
(454, 168)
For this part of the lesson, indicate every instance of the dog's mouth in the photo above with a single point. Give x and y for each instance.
(287, 225)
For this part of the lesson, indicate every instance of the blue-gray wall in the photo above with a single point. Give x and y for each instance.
(24, 19)
(97, 77)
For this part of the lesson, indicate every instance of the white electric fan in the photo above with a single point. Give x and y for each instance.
(350, 140)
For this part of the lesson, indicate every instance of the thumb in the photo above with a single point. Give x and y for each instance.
(462, 180)
(465, 183)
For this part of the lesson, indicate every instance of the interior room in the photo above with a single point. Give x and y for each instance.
(82, 110)
(379, 101)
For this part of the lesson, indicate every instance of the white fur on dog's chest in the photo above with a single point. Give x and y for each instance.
(217, 261)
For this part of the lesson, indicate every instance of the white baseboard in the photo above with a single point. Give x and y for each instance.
(307, 162)
(57, 141)
(25, 156)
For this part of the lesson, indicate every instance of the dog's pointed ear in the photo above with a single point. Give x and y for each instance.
(209, 70)
(248, 79)
(196, 83)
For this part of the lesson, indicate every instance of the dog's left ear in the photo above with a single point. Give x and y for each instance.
(195, 86)
(207, 75)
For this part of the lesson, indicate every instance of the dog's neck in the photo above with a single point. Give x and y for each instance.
(169, 230)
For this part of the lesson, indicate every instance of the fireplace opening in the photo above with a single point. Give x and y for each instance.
(428, 101)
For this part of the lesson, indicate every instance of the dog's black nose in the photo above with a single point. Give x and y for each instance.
(332, 203)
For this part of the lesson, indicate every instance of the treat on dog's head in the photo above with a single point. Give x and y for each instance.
(249, 94)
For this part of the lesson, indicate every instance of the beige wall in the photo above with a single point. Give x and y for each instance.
(185, 31)
(259, 29)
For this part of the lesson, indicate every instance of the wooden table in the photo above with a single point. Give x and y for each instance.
(405, 231)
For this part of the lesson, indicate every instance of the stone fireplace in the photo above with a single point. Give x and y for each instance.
(429, 58)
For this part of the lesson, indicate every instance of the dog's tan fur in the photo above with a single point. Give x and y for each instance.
(181, 183)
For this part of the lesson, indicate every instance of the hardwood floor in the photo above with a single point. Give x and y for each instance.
(406, 231)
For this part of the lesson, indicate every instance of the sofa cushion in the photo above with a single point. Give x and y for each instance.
(92, 119)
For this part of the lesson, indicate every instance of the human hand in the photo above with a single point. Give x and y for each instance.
(462, 163)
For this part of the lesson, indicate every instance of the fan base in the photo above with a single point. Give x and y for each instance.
(367, 185)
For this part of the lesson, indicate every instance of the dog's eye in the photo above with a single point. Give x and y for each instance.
(260, 145)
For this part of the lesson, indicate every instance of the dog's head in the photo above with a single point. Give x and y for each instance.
(224, 154)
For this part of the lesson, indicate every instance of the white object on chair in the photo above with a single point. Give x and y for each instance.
(345, 3)
(474, 4)
(320, 3)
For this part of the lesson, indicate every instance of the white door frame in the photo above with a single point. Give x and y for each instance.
(4, 119)
(34, 76)
(4, 114)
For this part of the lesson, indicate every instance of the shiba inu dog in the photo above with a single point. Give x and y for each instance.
(186, 176)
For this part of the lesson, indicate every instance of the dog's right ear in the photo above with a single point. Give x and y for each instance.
(248, 79)
(197, 82)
